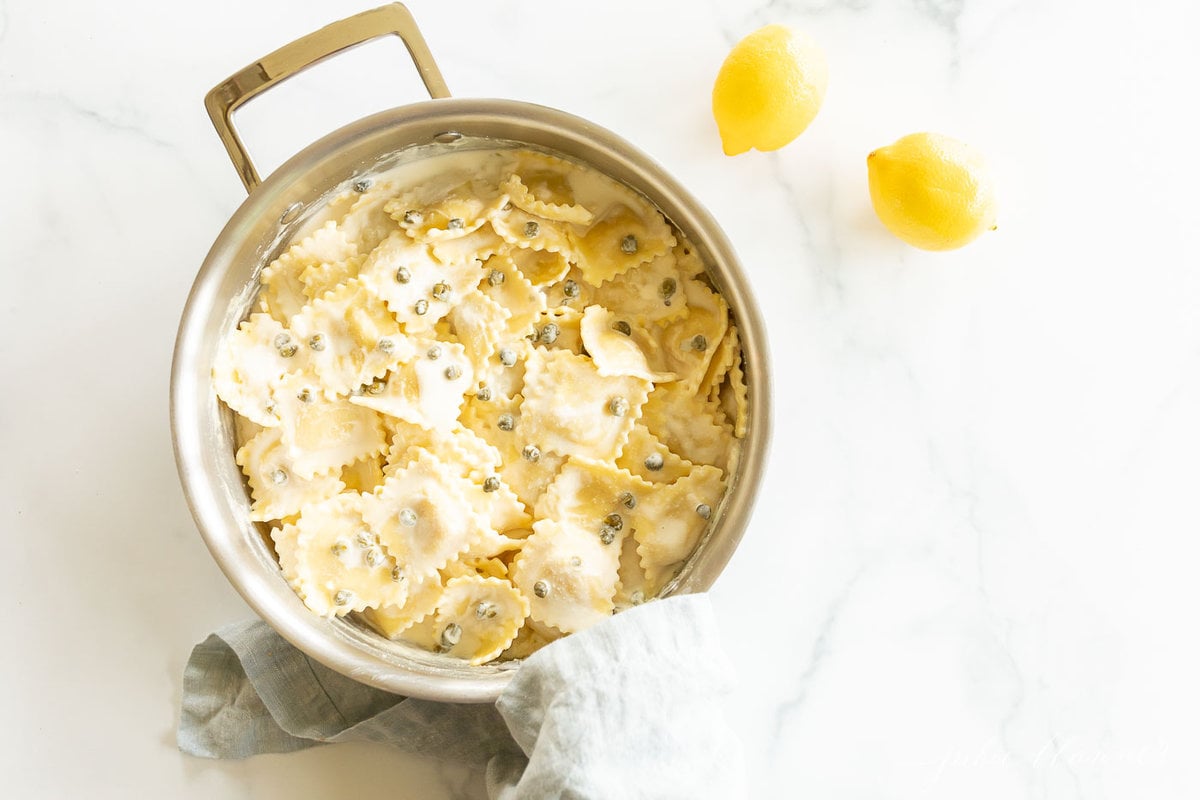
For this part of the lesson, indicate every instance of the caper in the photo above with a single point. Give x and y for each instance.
(614, 521)
(421, 307)
(304, 395)
(628, 500)
(508, 356)
(541, 589)
(621, 326)
(486, 611)
(374, 557)
(618, 406)
(667, 289)
(455, 224)
(288, 350)
(279, 477)
(506, 422)
(397, 574)
(491, 483)
(495, 277)
(531, 229)
(549, 334)
(376, 386)
(629, 245)
(408, 517)
(607, 535)
(452, 635)
(317, 342)
(361, 185)
(699, 342)
(704, 510)
(484, 393)
(654, 462)
(531, 452)
(453, 372)
(441, 291)
(412, 217)
(385, 345)
(434, 352)
(342, 597)
(570, 288)
(403, 275)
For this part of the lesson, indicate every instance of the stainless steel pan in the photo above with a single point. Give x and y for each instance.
(277, 207)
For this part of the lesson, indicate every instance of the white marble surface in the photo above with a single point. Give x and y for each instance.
(971, 572)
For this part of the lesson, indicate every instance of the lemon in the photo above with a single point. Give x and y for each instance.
(932, 191)
(769, 89)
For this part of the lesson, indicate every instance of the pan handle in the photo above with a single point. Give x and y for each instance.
(227, 96)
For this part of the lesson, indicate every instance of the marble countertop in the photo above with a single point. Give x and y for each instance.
(971, 570)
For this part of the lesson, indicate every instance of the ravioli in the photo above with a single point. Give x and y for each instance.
(486, 409)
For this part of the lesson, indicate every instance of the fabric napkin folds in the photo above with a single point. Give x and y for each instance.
(629, 708)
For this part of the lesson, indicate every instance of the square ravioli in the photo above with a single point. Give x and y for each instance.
(571, 409)
(488, 401)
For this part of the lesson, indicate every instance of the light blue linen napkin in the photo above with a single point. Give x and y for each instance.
(629, 708)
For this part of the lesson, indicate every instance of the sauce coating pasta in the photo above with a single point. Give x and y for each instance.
(485, 403)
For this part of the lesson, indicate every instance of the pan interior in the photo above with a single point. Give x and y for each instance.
(281, 209)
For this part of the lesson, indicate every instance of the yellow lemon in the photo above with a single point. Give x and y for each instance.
(932, 191)
(769, 89)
